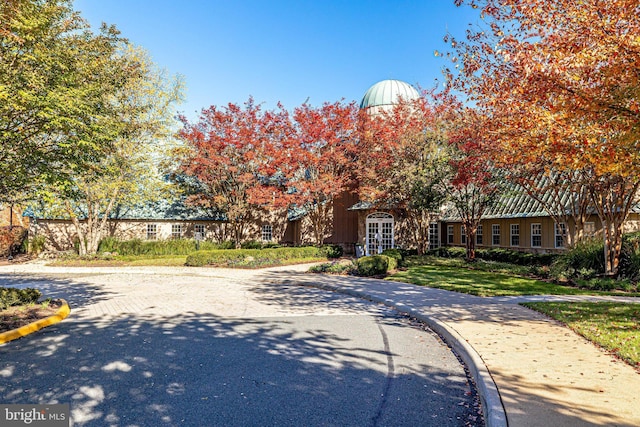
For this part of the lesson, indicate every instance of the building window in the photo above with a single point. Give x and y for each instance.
(267, 233)
(589, 230)
(463, 235)
(434, 241)
(449, 233)
(495, 234)
(479, 235)
(515, 234)
(176, 231)
(152, 231)
(199, 232)
(536, 235)
(561, 232)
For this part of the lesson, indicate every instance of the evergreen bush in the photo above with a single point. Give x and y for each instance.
(332, 251)
(10, 297)
(251, 257)
(375, 265)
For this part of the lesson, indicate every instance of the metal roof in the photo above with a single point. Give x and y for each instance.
(387, 93)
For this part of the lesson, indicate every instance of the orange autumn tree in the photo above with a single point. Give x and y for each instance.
(398, 148)
(222, 168)
(319, 165)
(468, 175)
(560, 82)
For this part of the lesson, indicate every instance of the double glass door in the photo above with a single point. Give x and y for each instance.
(379, 233)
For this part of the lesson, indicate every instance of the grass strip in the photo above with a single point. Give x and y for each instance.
(484, 283)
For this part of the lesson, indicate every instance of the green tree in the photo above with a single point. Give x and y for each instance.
(55, 79)
(128, 172)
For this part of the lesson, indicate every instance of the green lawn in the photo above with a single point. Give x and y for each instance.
(483, 283)
(613, 326)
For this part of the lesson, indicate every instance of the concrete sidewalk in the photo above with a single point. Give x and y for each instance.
(545, 374)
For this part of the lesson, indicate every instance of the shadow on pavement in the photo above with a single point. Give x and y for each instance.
(199, 369)
(456, 307)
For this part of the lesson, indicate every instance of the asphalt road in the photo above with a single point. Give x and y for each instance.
(225, 348)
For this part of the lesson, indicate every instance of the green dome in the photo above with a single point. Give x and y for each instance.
(387, 93)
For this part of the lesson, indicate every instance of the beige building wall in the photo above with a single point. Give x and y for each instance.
(61, 234)
(525, 227)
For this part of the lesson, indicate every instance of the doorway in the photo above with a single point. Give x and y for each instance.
(379, 236)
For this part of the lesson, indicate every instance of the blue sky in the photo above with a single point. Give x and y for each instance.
(287, 51)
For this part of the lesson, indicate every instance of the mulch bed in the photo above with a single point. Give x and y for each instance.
(21, 315)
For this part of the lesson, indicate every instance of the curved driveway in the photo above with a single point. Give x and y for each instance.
(208, 347)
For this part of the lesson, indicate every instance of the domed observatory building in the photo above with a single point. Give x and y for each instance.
(376, 226)
(384, 95)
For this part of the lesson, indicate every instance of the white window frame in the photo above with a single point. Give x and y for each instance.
(463, 235)
(560, 230)
(379, 225)
(434, 235)
(199, 231)
(152, 231)
(536, 231)
(514, 231)
(479, 235)
(267, 232)
(495, 227)
(176, 231)
(450, 238)
(589, 229)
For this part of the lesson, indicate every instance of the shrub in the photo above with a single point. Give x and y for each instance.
(12, 296)
(375, 265)
(606, 284)
(37, 244)
(515, 257)
(251, 257)
(630, 257)
(448, 252)
(396, 254)
(332, 251)
(11, 240)
(585, 262)
(156, 247)
(251, 244)
(334, 268)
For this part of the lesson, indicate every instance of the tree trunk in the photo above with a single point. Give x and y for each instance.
(470, 231)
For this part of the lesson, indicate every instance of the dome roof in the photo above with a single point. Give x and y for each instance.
(387, 93)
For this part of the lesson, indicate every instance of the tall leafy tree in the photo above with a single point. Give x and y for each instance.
(222, 164)
(469, 177)
(325, 139)
(560, 79)
(56, 77)
(127, 172)
(398, 148)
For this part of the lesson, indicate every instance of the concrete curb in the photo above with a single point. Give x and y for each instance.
(493, 409)
(62, 313)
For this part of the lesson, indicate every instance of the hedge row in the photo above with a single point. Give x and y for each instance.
(12, 296)
(252, 257)
(498, 255)
(156, 247)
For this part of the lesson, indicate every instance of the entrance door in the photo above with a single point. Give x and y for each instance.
(379, 233)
